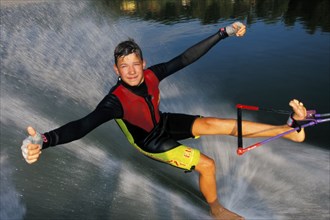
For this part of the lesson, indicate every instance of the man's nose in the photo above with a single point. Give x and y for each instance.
(131, 70)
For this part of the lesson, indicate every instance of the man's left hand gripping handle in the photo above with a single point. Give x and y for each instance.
(32, 145)
(237, 28)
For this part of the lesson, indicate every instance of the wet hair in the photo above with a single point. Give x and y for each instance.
(127, 47)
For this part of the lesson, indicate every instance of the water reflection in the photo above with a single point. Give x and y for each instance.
(313, 14)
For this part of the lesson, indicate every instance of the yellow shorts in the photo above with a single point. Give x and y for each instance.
(182, 157)
(162, 144)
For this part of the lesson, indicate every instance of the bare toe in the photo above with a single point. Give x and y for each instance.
(298, 109)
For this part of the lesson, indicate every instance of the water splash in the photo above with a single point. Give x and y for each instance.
(11, 206)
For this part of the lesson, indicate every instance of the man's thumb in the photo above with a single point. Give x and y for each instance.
(31, 131)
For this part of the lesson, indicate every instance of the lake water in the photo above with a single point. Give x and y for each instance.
(56, 65)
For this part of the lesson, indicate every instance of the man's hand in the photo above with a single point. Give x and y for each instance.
(31, 148)
(237, 29)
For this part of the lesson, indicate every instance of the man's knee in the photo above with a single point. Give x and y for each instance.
(206, 165)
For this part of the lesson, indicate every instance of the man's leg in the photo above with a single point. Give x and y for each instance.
(208, 187)
(217, 126)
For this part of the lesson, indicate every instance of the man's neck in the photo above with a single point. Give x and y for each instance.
(140, 90)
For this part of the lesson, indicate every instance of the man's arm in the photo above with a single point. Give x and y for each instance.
(198, 50)
(108, 109)
(76, 129)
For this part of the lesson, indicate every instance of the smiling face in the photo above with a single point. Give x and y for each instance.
(130, 69)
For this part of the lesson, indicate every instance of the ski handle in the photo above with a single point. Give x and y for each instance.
(311, 115)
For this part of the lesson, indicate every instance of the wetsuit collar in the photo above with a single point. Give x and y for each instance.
(140, 90)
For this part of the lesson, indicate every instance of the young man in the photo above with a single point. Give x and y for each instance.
(134, 103)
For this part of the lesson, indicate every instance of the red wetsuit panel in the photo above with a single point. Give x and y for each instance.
(136, 109)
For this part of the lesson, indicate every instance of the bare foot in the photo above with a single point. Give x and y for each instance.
(221, 213)
(299, 110)
(299, 113)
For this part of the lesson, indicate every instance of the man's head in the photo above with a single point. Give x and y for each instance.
(129, 63)
(127, 47)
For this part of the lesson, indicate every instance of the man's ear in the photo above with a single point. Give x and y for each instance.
(116, 69)
(144, 64)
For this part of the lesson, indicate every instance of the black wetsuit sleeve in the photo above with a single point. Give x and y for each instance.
(187, 57)
(109, 108)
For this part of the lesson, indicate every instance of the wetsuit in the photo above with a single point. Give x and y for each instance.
(154, 133)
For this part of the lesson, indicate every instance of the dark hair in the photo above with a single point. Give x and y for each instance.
(125, 48)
